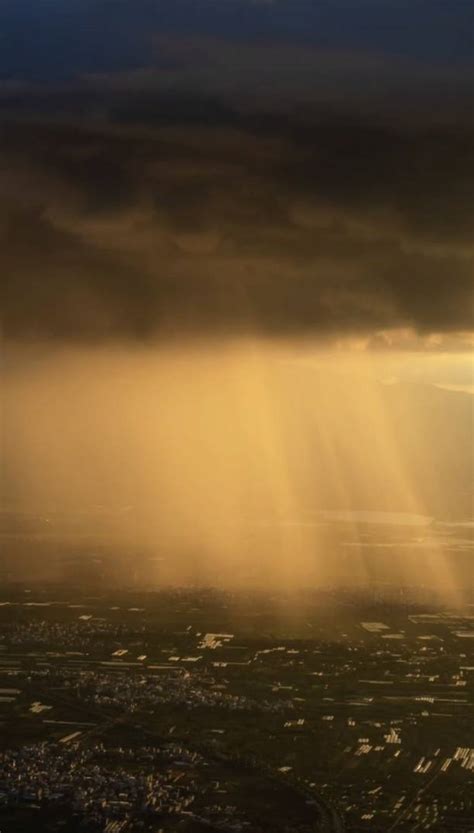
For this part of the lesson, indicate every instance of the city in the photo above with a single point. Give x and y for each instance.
(125, 711)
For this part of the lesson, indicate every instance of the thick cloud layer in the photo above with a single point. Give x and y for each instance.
(266, 188)
(324, 228)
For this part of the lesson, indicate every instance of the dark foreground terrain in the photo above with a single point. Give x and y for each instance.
(201, 710)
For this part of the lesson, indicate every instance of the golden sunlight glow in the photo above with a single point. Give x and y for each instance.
(227, 460)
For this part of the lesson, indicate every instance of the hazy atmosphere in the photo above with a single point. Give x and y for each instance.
(236, 241)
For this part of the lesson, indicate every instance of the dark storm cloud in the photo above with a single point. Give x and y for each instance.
(312, 224)
(210, 183)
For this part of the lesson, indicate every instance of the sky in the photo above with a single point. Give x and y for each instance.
(301, 168)
(212, 208)
(53, 39)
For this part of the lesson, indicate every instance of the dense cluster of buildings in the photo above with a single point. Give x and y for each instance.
(146, 692)
(83, 635)
(83, 779)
